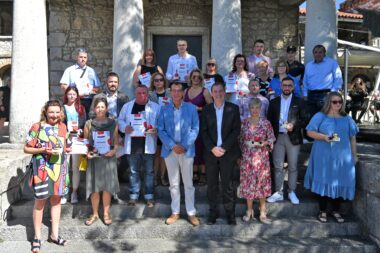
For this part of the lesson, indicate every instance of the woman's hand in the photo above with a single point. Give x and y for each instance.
(110, 153)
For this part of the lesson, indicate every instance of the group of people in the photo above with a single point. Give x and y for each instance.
(201, 127)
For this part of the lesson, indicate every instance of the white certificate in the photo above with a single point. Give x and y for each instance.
(145, 79)
(72, 126)
(163, 101)
(84, 88)
(138, 123)
(209, 82)
(79, 146)
(102, 141)
(182, 71)
(231, 84)
(242, 86)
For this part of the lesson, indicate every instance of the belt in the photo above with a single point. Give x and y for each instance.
(253, 144)
(281, 133)
(319, 91)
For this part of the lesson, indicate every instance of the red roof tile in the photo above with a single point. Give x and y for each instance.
(302, 11)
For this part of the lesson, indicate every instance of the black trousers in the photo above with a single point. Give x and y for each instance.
(323, 201)
(224, 167)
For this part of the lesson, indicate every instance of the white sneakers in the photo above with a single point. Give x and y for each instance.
(293, 198)
(63, 200)
(74, 198)
(279, 196)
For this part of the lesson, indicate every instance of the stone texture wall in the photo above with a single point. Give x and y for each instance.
(79, 23)
(272, 22)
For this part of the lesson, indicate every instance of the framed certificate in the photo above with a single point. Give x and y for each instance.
(137, 123)
(84, 88)
(145, 79)
(102, 141)
(182, 71)
(209, 82)
(231, 84)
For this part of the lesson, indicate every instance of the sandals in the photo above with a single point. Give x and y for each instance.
(107, 219)
(248, 216)
(195, 176)
(322, 217)
(36, 248)
(150, 203)
(91, 220)
(263, 216)
(132, 203)
(337, 217)
(60, 241)
(202, 180)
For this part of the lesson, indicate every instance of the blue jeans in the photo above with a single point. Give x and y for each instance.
(136, 161)
(315, 103)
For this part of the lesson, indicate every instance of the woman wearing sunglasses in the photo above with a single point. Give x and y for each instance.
(211, 76)
(331, 169)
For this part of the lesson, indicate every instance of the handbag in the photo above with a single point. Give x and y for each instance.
(82, 163)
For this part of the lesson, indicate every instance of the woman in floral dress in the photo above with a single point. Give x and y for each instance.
(256, 141)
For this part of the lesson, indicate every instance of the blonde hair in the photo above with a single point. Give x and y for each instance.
(200, 76)
(151, 86)
(327, 103)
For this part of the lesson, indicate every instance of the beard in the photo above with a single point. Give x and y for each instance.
(286, 93)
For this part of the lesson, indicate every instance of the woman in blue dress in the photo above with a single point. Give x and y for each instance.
(331, 169)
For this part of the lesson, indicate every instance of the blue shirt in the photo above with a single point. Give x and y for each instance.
(322, 76)
(275, 84)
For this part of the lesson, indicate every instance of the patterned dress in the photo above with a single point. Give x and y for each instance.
(255, 180)
(50, 175)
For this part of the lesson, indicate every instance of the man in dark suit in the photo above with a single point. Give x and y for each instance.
(220, 129)
(287, 115)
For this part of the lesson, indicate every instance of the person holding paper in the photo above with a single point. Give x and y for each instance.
(138, 120)
(160, 94)
(148, 67)
(83, 77)
(181, 64)
(237, 80)
(200, 97)
(101, 174)
(211, 76)
(75, 118)
(178, 127)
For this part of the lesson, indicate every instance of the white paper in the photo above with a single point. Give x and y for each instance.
(145, 79)
(182, 71)
(102, 141)
(79, 146)
(72, 126)
(163, 101)
(137, 122)
(231, 84)
(209, 82)
(84, 88)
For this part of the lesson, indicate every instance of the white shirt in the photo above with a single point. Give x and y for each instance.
(177, 122)
(219, 117)
(189, 61)
(285, 105)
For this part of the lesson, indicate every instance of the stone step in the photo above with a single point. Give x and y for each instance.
(155, 228)
(308, 207)
(286, 244)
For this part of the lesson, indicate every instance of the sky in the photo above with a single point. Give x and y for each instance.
(337, 4)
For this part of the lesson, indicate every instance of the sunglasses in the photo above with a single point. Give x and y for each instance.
(211, 64)
(336, 102)
(158, 80)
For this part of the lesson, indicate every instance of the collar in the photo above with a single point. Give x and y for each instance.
(110, 96)
(221, 107)
(323, 60)
(290, 97)
(77, 66)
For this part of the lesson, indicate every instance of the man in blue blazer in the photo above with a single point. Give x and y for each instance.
(178, 127)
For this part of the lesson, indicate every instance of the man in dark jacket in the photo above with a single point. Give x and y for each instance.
(288, 116)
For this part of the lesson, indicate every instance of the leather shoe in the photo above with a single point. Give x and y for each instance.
(172, 218)
(212, 219)
(193, 220)
(231, 220)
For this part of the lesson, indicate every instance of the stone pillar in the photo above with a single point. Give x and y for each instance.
(226, 33)
(321, 27)
(30, 84)
(128, 41)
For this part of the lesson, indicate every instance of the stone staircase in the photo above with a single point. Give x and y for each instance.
(292, 228)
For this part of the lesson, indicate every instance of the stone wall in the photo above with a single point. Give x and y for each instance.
(79, 23)
(272, 22)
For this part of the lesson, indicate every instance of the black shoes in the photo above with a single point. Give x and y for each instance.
(231, 220)
(212, 219)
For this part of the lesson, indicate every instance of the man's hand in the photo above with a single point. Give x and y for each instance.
(218, 151)
(63, 87)
(128, 129)
(178, 149)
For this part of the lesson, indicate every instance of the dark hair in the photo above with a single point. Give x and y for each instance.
(319, 46)
(78, 106)
(258, 41)
(218, 84)
(99, 100)
(234, 62)
(151, 86)
(177, 84)
(111, 73)
(148, 51)
(43, 116)
(287, 79)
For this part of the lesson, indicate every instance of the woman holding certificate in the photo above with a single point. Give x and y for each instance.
(211, 76)
(75, 118)
(46, 141)
(238, 79)
(101, 176)
(148, 67)
(200, 97)
(331, 169)
(159, 93)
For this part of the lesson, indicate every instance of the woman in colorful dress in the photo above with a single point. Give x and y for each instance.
(101, 175)
(159, 93)
(200, 97)
(75, 117)
(148, 65)
(46, 141)
(331, 169)
(256, 141)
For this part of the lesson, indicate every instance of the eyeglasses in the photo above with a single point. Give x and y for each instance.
(211, 64)
(194, 77)
(336, 102)
(281, 66)
(158, 80)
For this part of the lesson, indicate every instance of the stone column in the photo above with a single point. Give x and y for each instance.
(128, 41)
(30, 84)
(226, 33)
(321, 27)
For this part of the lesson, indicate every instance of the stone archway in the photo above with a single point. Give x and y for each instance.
(5, 71)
